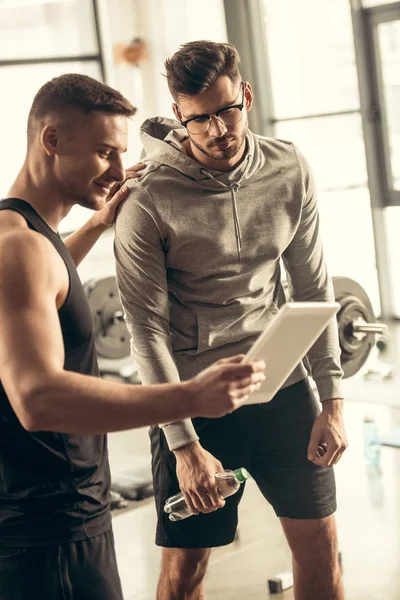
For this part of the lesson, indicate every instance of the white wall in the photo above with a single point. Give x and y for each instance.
(164, 25)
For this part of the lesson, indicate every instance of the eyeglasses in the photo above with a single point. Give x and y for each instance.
(228, 116)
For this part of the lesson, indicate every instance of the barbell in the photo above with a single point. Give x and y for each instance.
(357, 326)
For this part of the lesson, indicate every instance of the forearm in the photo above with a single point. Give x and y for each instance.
(155, 363)
(82, 241)
(73, 403)
(334, 406)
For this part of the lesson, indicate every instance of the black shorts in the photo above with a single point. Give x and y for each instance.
(270, 440)
(85, 570)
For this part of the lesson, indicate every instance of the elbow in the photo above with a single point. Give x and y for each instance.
(32, 408)
(29, 421)
(29, 412)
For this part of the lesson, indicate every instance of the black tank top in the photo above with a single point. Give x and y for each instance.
(54, 487)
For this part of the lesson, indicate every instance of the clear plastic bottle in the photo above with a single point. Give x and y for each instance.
(228, 482)
(372, 446)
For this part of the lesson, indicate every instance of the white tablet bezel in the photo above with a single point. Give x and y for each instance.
(280, 350)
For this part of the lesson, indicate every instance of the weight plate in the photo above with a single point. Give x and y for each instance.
(344, 286)
(111, 334)
(355, 304)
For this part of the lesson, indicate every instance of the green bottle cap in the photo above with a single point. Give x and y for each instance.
(242, 474)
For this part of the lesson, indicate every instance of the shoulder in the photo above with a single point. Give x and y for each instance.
(139, 205)
(28, 259)
(276, 146)
(286, 154)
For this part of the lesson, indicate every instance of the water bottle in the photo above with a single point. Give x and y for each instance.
(228, 482)
(372, 446)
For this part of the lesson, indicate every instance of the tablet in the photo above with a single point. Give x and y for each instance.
(286, 340)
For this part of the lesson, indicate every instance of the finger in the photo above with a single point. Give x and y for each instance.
(339, 456)
(240, 393)
(118, 197)
(203, 501)
(342, 448)
(190, 503)
(327, 458)
(134, 172)
(238, 402)
(215, 496)
(237, 358)
(240, 371)
(255, 379)
(325, 461)
(334, 456)
(114, 188)
(322, 449)
(315, 441)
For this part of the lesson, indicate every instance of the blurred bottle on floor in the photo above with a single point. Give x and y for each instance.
(372, 445)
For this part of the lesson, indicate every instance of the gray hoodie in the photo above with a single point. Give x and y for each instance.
(199, 255)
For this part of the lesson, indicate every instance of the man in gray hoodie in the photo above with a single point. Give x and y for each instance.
(200, 245)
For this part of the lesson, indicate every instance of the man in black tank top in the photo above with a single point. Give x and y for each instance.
(55, 528)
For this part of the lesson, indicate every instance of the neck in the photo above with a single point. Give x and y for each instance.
(210, 163)
(41, 193)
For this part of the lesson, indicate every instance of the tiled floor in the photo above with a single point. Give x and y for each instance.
(368, 517)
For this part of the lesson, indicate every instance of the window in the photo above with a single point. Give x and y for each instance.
(311, 57)
(393, 229)
(338, 164)
(56, 28)
(316, 105)
(389, 46)
(39, 40)
(369, 3)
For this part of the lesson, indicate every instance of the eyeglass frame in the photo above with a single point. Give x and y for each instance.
(239, 106)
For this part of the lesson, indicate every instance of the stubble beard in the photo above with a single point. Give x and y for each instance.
(87, 200)
(222, 154)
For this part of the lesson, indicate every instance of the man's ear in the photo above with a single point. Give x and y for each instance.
(49, 138)
(248, 96)
(176, 111)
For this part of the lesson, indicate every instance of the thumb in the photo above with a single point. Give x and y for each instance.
(313, 445)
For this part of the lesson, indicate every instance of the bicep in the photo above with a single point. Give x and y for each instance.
(31, 344)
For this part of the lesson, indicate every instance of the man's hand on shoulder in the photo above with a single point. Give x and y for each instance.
(105, 217)
(135, 171)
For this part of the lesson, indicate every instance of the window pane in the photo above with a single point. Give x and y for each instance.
(311, 56)
(368, 3)
(19, 85)
(334, 148)
(32, 29)
(333, 145)
(393, 229)
(389, 43)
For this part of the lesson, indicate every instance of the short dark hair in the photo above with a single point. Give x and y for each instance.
(197, 65)
(74, 90)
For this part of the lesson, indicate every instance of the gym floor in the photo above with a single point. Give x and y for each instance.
(368, 516)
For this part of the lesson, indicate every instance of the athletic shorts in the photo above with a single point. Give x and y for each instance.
(85, 570)
(270, 440)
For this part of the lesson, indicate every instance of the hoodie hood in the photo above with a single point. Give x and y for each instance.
(162, 144)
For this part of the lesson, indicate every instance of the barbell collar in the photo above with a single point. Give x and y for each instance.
(363, 327)
(118, 317)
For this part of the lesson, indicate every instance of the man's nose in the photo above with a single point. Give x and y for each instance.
(117, 170)
(217, 127)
